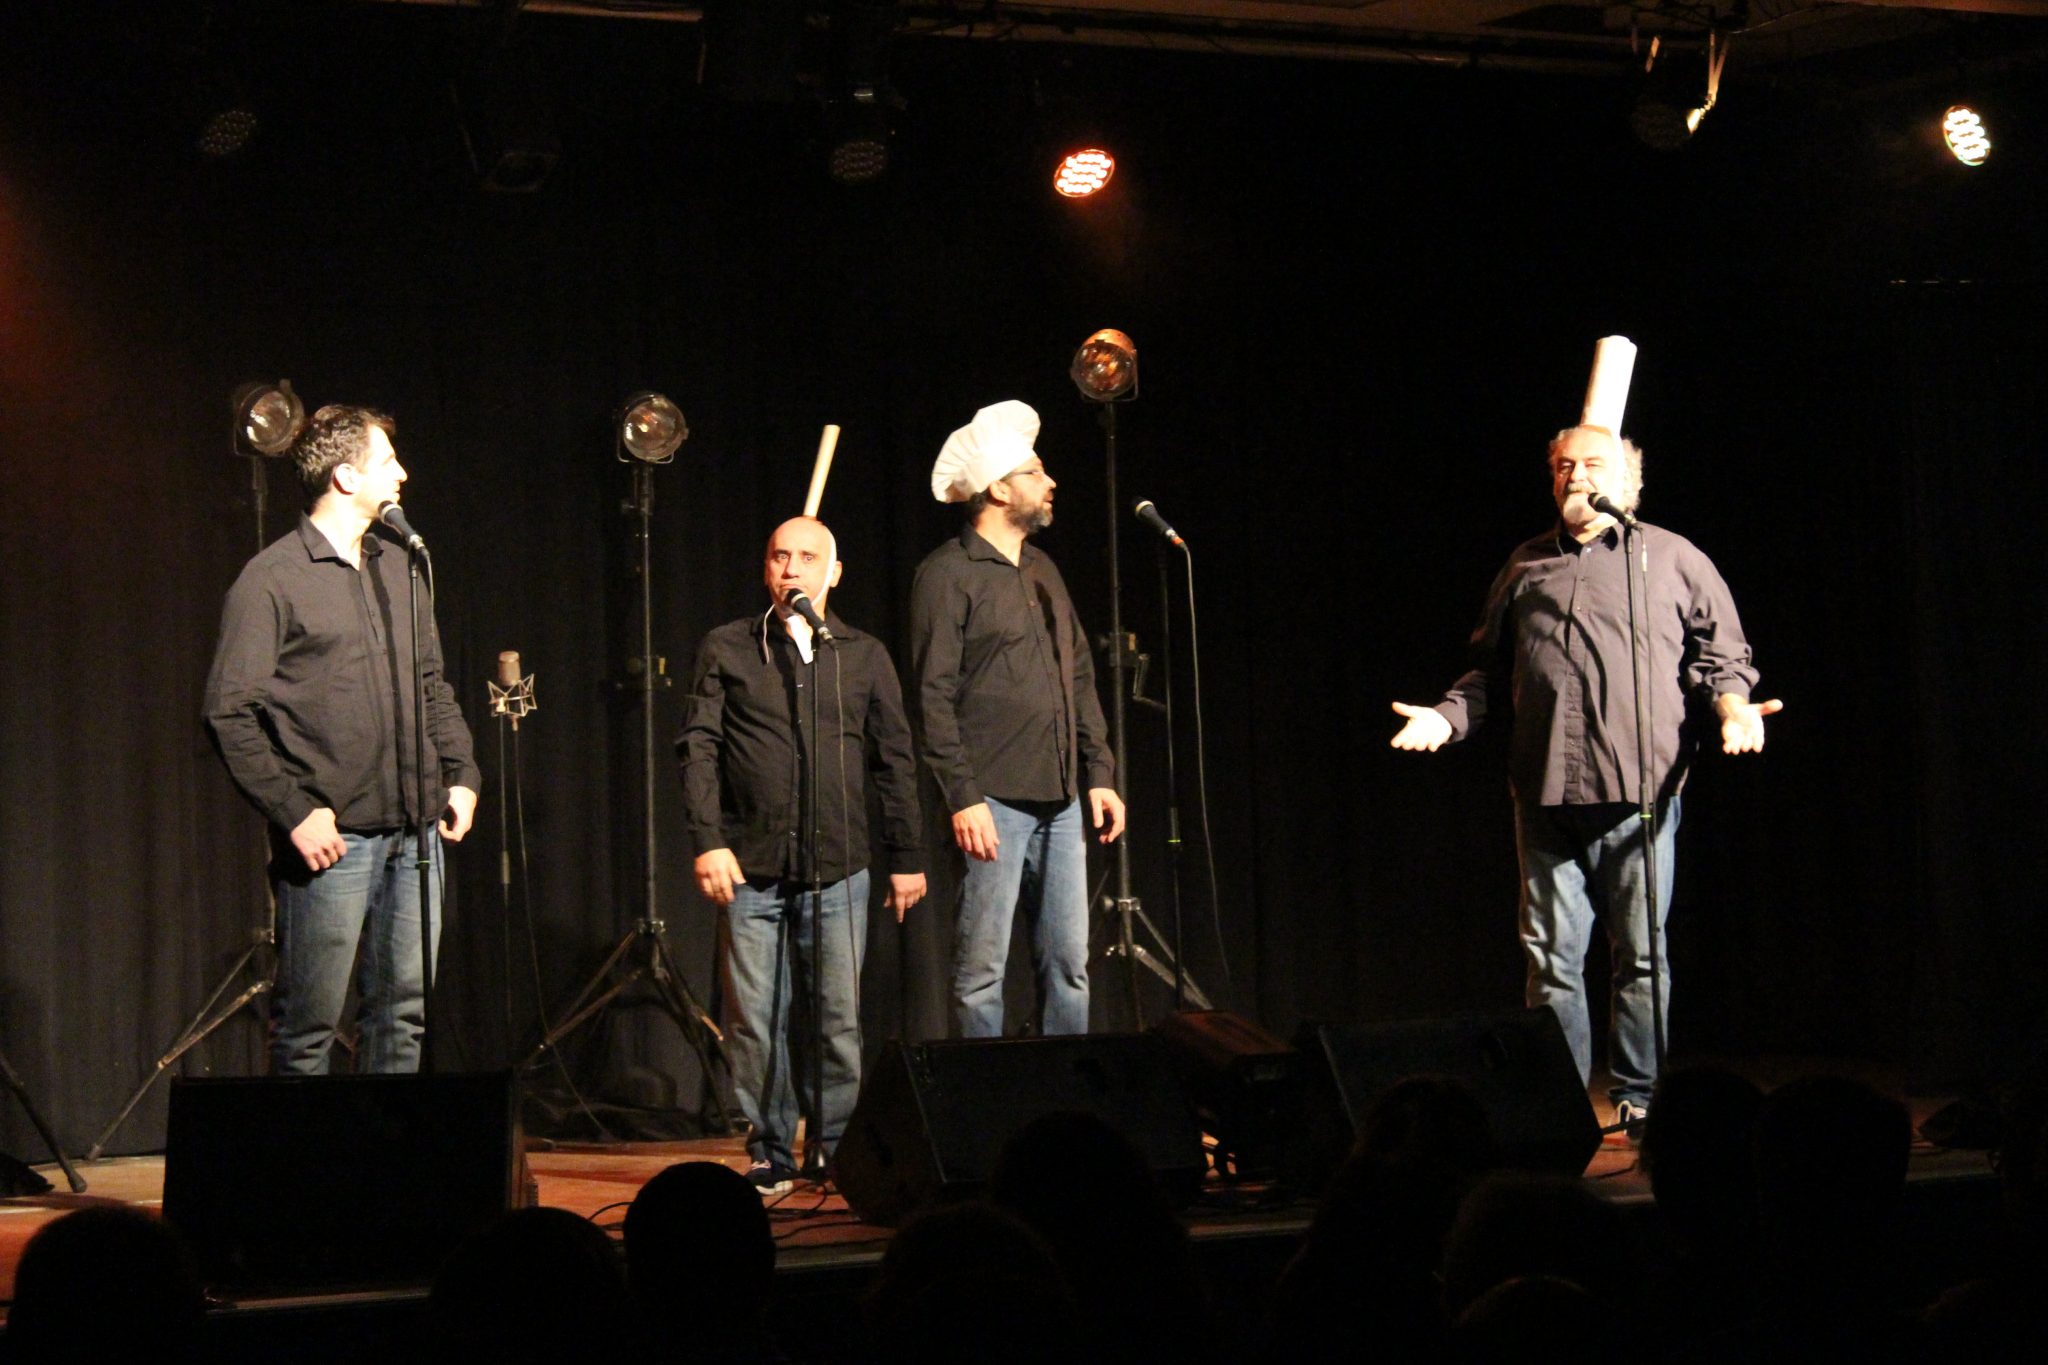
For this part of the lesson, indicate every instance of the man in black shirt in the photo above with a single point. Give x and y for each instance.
(745, 749)
(1555, 635)
(1013, 730)
(310, 703)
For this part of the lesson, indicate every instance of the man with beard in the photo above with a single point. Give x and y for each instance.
(1555, 636)
(310, 704)
(1012, 728)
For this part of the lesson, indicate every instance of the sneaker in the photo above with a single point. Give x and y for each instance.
(1629, 1116)
(770, 1179)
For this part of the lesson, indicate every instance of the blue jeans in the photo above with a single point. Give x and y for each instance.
(369, 904)
(1041, 865)
(769, 968)
(1579, 863)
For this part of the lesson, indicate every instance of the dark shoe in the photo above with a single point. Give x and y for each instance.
(771, 1180)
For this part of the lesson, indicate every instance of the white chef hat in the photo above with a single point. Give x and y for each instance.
(996, 442)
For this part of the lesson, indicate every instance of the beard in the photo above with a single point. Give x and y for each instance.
(1029, 521)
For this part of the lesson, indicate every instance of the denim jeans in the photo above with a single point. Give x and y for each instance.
(768, 974)
(1041, 865)
(366, 904)
(1585, 862)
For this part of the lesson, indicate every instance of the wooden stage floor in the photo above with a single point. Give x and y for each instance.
(814, 1229)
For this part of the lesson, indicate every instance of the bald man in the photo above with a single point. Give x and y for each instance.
(747, 749)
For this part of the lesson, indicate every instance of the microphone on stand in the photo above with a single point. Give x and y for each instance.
(799, 602)
(392, 515)
(1149, 514)
(511, 694)
(1600, 502)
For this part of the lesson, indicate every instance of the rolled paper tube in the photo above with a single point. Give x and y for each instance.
(827, 443)
(1614, 363)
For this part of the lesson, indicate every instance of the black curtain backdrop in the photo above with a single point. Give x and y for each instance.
(1364, 296)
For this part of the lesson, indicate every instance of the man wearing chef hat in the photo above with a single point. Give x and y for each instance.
(1012, 728)
(1554, 639)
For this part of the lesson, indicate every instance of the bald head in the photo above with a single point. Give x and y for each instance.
(802, 553)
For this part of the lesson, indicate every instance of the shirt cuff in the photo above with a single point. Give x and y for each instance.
(962, 792)
(294, 811)
(905, 862)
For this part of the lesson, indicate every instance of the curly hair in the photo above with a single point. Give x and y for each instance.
(337, 434)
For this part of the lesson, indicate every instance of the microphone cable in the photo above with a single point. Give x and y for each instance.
(1202, 777)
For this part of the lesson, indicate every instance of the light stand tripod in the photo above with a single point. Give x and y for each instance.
(1105, 370)
(641, 954)
(1124, 905)
(28, 1106)
(259, 959)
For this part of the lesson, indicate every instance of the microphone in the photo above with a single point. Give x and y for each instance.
(799, 602)
(1149, 514)
(512, 693)
(392, 515)
(1600, 502)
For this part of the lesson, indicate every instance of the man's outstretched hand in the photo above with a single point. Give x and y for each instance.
(1426, 728)
(1742, 722)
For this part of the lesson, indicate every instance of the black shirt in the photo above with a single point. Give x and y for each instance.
(310, 701)
(748, 729)
(1005, 682)
(1555, 630)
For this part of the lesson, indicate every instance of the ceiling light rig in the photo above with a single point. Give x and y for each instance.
(1084, 172)
(1962, 128)
(1666, 115)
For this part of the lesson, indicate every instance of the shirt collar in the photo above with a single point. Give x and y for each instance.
(318, 546)
(1567, 544)
(977, 546)
(772, 627)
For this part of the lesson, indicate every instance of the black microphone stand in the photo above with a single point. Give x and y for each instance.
(1636, 554)
(419, 560)
(1173, 840)
(814, 1160)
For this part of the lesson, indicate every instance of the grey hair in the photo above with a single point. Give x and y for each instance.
(1631, 462)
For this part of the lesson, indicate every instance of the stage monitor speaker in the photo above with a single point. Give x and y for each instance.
(932, 1117)
(1245, 1086)
(301, 1182)
(1518, 1066)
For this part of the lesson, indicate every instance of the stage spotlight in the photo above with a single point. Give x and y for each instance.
(859, 133)
(268, 418)
(650, 429)
(1964, 132)
(1105, 369)
(1083, 173)
(227, 132)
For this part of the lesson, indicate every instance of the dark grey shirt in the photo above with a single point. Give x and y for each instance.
(1005, 682)
(1555, 635)
(310, 701)
(748, 729)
